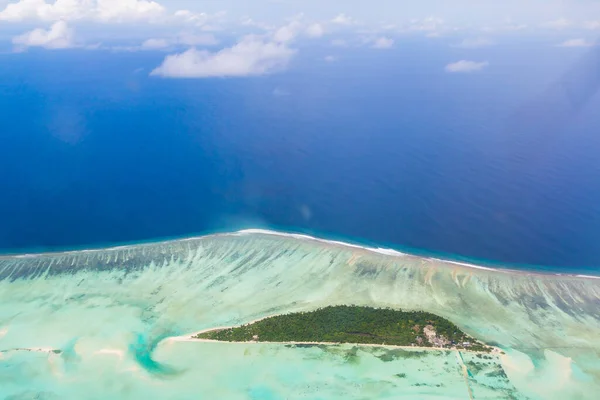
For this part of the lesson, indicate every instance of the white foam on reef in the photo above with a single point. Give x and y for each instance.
(394, 253)
(299, 236)
(473, 265)
(388, 252)
(588, 276)
(379, 250)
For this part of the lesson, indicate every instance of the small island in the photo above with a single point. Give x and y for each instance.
(352, 324)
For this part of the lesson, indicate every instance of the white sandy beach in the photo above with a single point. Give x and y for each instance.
(190, 338)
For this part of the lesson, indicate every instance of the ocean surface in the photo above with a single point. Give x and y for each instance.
(378, 147)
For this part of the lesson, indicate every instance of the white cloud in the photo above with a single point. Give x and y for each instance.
(208, 22)
(39, 9)
(516, 27)
(287, 32)
(155, 44)
(58, 36)
(575, 43)
(466, 66)
(190, 17)
(428, 24)
(247, 21)
(376, 42)
(250, 56)
(127, 10)
(474, 43)
(560, 23)
(330, 58)
(183, 39)
(383, 43)
(592, 25)
(508, 26)
(343, 19)
(70, 10)
(431, 26)
(315, 30)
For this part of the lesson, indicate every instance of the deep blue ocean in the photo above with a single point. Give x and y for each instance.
(379, 146)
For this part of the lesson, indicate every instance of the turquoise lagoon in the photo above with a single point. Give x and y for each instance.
(108, 323)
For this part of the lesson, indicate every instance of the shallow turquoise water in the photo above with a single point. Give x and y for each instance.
(113, 314)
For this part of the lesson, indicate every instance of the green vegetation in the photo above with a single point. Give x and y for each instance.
(352, 324)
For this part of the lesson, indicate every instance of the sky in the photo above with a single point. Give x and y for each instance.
(460, 11)
(239, 38)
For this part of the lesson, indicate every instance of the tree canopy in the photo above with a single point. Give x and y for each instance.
(351, 324)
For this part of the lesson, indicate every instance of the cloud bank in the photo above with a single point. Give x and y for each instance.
(343, 19)
(592, 25)
(575, 43)
(249, 57)
(315, 30)
(58, 36)
(466, 66)
(561, 23)
(155, 44)
(287, 32)
(71, 10)
(183, 39)
(383, 43)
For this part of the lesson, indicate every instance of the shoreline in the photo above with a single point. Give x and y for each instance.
(494, 351)
(298, 236)
(48, 350)
(190, 339)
